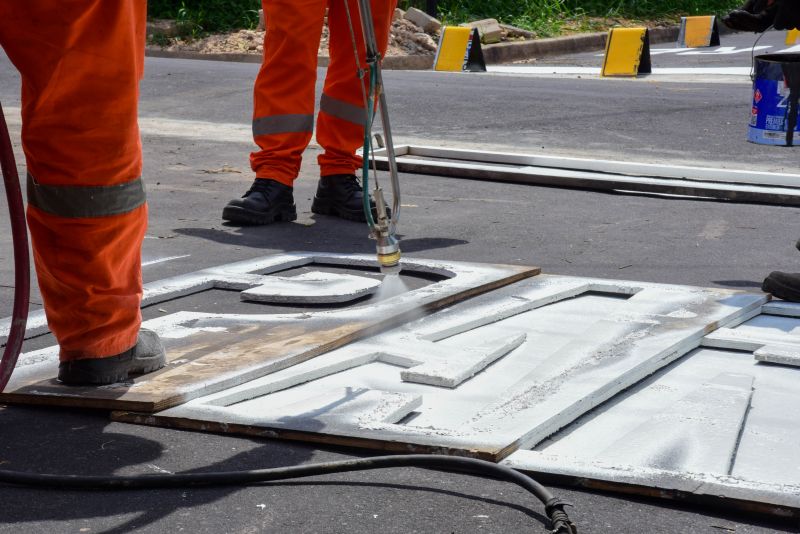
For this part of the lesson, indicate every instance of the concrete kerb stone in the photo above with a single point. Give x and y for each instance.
(389, 63)
(494, 54)
(521, 50)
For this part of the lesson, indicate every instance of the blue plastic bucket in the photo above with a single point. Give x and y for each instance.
(776, 87)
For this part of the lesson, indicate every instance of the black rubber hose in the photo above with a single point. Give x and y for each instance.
(554, 507)
(19, 234)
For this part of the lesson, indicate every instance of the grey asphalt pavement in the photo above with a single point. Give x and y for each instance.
(205, 109)
(735, 50)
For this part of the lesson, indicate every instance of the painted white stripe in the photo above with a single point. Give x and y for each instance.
(724, 51)
(222, 132)
(162, 260)
(537, 70)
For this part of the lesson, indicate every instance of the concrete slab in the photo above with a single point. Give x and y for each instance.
(716, 424)
(312, 288)
(506, 369)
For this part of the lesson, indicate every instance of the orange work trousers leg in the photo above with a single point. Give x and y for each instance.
(81, 62)
(283, 111)
(340, 124)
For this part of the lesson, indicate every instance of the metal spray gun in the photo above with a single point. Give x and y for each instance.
(383, 227)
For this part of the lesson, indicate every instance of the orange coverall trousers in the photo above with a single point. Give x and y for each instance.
(80, 63)
(283, 114)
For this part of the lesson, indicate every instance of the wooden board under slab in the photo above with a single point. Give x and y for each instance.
(207, 353)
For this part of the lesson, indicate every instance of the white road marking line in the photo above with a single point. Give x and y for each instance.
(222, 132)
(724, 51)
(162, 260)
(663, 74)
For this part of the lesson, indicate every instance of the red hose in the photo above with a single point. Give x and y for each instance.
(19, 233)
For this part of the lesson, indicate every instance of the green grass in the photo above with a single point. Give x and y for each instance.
(548, 17)
(196, 17)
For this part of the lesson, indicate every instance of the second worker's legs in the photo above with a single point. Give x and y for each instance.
(283, 112)
(340, 124)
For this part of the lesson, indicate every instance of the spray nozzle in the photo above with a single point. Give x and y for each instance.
(387, 246)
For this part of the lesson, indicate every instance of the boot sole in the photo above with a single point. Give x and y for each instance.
(325, 207)
(243, 216)
(78, 378)
(780, 290)
(322, 207)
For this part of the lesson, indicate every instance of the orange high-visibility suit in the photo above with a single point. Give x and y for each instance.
(81, 62)
(283, 115)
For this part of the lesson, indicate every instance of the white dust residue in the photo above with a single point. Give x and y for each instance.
(391, 286)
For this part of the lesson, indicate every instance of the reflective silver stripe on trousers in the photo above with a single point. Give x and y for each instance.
(276, 124)
(75, 201)
(342, 110)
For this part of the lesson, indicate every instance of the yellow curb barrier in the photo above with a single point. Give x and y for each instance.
(459, 50)
(627, 52)
(698, 32)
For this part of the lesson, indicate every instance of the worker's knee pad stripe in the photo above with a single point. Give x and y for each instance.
(86, 201)
(342, 110)
(277, 124)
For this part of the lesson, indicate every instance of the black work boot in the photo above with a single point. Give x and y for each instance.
(146, 356)
(266, 201)
(785, 286)
(341, 195)
(754, 16)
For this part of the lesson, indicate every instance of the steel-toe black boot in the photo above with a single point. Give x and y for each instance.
(146, 356)
(785, 286)
(266, 201)
(341, 195)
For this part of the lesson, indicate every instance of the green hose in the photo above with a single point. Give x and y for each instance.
(373, 82)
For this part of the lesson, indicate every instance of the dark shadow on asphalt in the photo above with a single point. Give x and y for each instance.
(738, 283)
(339, 237)
(541, 518)
(53, 441)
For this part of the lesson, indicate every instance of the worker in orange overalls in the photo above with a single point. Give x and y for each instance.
(283, 117)
(81, 62)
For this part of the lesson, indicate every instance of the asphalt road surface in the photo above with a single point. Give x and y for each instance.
(195, 123)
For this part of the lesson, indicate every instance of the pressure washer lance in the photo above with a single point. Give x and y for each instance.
(384, 229)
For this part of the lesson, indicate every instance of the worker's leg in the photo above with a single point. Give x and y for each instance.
(81, 63)
(283, 111)
(340, 124)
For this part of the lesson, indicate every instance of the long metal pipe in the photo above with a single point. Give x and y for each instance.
(371, 46)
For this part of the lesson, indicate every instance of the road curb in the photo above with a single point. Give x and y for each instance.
(494, 54)
(520, 50)
(390, 62)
